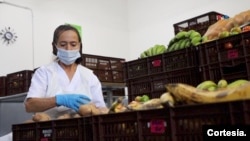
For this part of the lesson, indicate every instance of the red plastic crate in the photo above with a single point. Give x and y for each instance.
(218, 62)
(199, 23)
(107, 69)
(18, 82)
(2, 86)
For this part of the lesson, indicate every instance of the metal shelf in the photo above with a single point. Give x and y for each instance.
(108, 88)
(14, 98)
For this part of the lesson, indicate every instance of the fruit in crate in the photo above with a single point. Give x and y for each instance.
(135, 105)
(152, 51)
(237, 83)
(232, 26)
(167, 99)
(154, 103)
(235, 30)
(184, 39)
(246, 28)
(224, 34)
(91, 109)
(64, 116)
(222, 83)
(228, 45)
(144, 98)
(207, 85)
(41, 117)
(184, 93)
(118, 106)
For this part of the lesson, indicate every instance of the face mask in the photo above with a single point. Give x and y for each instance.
(68, 56)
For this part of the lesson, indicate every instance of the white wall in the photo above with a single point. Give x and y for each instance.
(116, 28)
(16, 50)
(104, 26)
(151, 21)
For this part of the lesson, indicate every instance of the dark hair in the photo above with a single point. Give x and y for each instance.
(58, 31)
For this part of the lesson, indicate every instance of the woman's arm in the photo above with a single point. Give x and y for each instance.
(39, 104)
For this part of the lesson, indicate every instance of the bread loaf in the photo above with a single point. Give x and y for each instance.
(214, 30)
(226, 25)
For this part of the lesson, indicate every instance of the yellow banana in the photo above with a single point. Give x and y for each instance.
(237, 83)
(206, 84)
(167, 99)
(190, 94)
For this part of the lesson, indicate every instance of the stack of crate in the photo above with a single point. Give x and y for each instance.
(107, 69)
(199, 23)
(181, 123)
(217, 61)
(18, 82)
(2, 86)
(148, 76)
(15, 82)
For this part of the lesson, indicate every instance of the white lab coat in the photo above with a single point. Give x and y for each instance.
(51, 80)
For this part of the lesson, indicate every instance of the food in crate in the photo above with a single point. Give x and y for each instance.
(152, 51)
(142, 103)
(84, 110)
(184, 39)
(210, 92)
(226, 27)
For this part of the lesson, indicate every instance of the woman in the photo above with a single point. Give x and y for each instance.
(63, 85)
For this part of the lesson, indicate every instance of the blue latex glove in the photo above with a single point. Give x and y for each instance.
(72, 101)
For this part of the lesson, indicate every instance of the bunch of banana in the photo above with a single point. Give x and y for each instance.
(190, 94)
(207, 85)
(210, 85)
(184, 39)
(155, 50)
